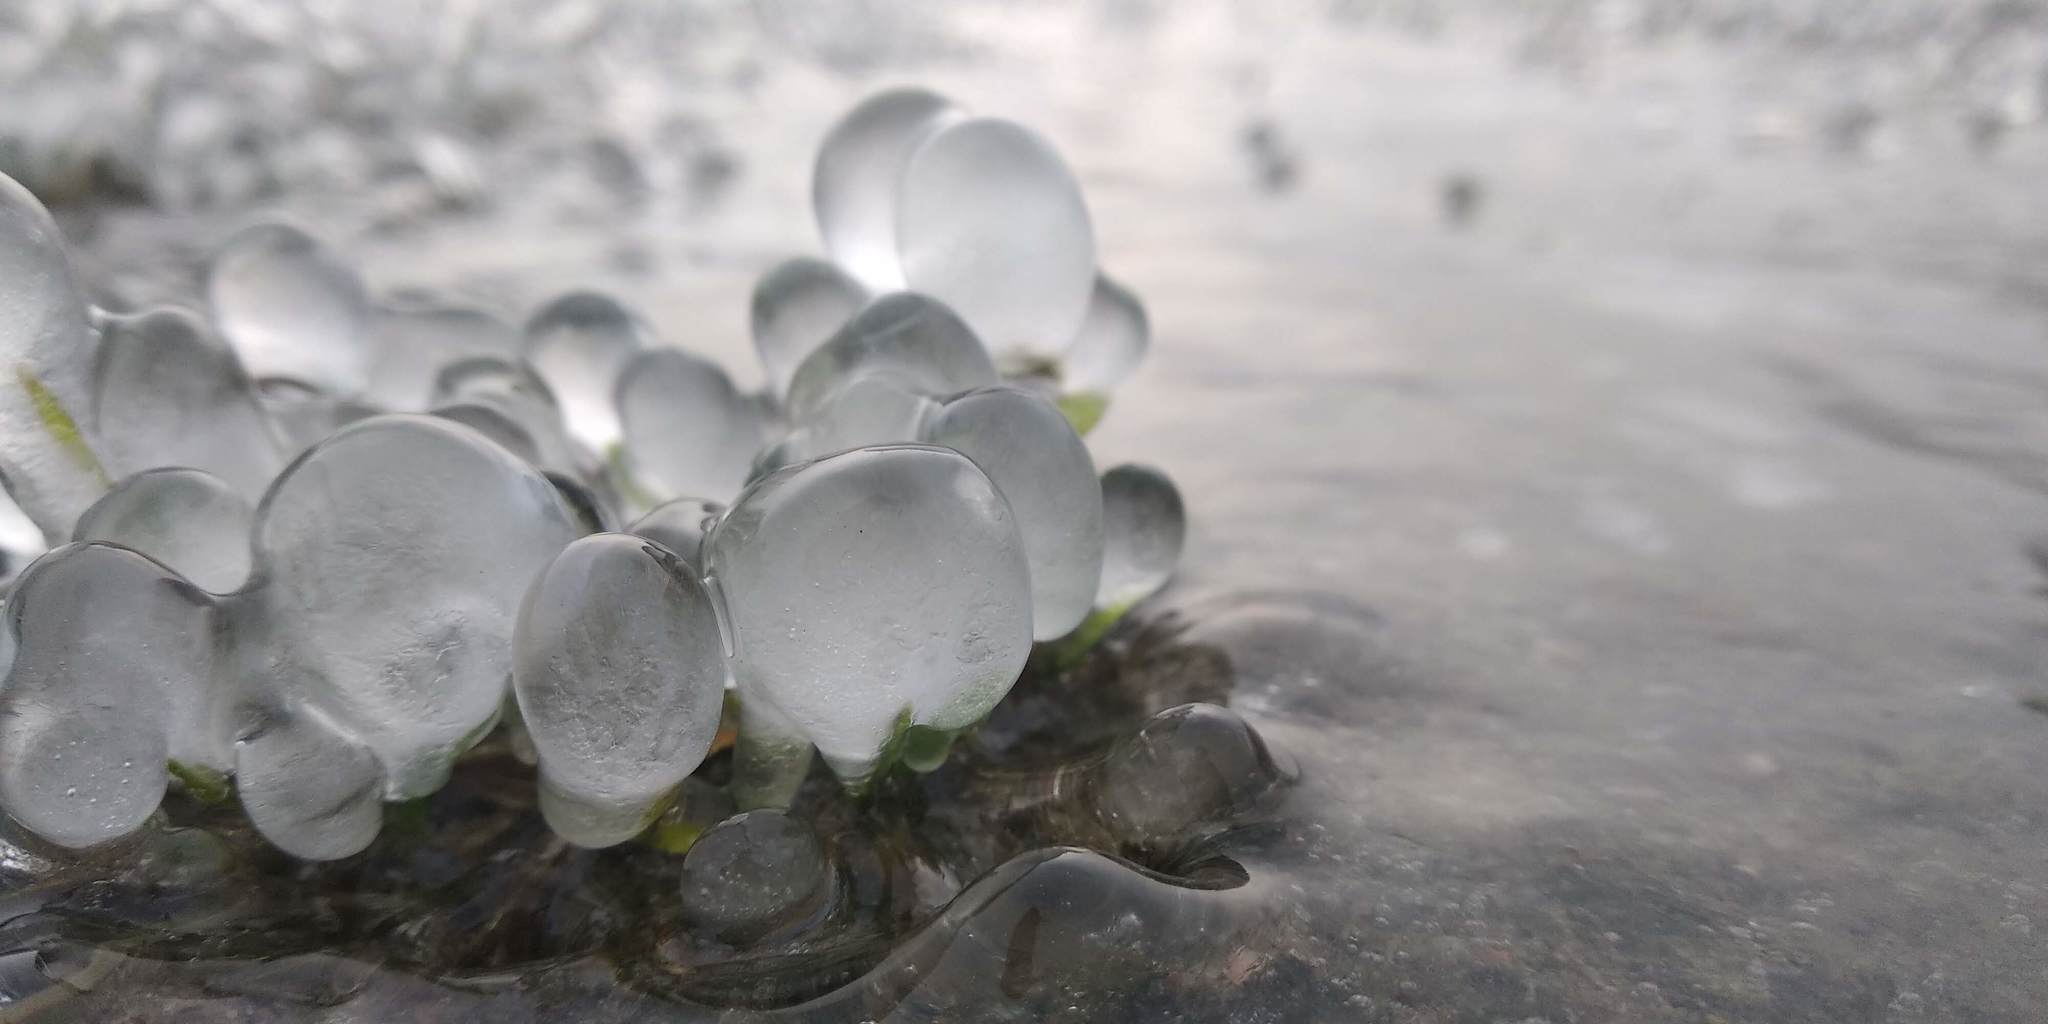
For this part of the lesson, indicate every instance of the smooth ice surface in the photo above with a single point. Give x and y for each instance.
(492, 423)
(310, 789)
(303, 415)
(1144, 527)
(856, 183)
(1186, 767)
(1043, 469)
(511, 388)
(414, 340)
(797, 305)
(915, 339)
(291, 308)
(188, 519)
(620, 676)
(46, 457)
(873, 584)
(578, 344)
(396, 553)
(111, 680)
(167, 392)
(752, 872)
(680, 526)
(1111, 342)
(685, 429)
(992, 223)
(866, 410)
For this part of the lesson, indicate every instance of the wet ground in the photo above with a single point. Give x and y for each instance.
(1615, 438)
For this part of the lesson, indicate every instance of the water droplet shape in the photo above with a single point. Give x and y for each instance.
(685, 429)
(752, 873)
(415, 340)
(578, 344)
(110, 682)
(307, 787)
(992, 223)
(920, 343)
(796, 306)
(870, 587)
(1144, 527)
(871, 409)
(680, 526)
(1042, 467)
(291, 308)
(188, 519)
(395, 555)
(46, 455)
(1111, 342)
(169, 393)
(1187, 766)
(856, 183)
(620, 678)
(513, 390)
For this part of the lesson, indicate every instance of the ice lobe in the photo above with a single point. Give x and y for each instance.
(1144, 527)
(870, 591)
(856, 186)
(796, 306)
(1041, 466)
(923, 345)
(620, 677)
(1111, 342)
(167, 392)
(47, 456)
(579, 343)
(291, 308)
(310, 789)
(680, 526)
(188, 519)
(415, 338)
(394, 555)
(992, 223)
(685, 429)
(752, 873)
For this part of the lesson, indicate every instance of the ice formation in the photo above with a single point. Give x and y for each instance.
(320, 542)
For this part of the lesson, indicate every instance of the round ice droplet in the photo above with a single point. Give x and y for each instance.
(918, 342)
(113, 677)
(752, 874)
(1188, 766)
(796, 306)
(188, 519)
(871, 590)
(993, 224)
(579, 343)
(395, 555)
(47, 455)
(1041, 466)
(291, 308)
(306, 786)
(680, 526)
(168, 393)
(685, 430)
(867, 410)
(855, 185)
(414, 340)
(1144, 527)
(1111, 342)
(512, 389)
(621, 680)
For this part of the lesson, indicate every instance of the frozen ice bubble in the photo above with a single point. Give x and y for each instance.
(993, 224)
(856, 184)
(1143, 529)
(680, 526)
(312, 791)
(395, 554)
(620, 676)
(914, 339)
(685, 429)
(579, 343)
(753, 873)
(169, 393)
(1111, 343)
(871, 590)
(413, 340)
(796, 306)
(111, 682)
(512, 389)
(1041, 466)
(1188, 766)
(47, 455)
(188, 519)
(291, 308)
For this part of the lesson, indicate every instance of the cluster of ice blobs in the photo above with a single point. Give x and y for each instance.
(313, 533)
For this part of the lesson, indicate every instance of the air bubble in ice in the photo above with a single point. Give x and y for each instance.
(188, 519)
(1144, 527)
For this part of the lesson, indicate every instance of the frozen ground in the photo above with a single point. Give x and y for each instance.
(1616, 434)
